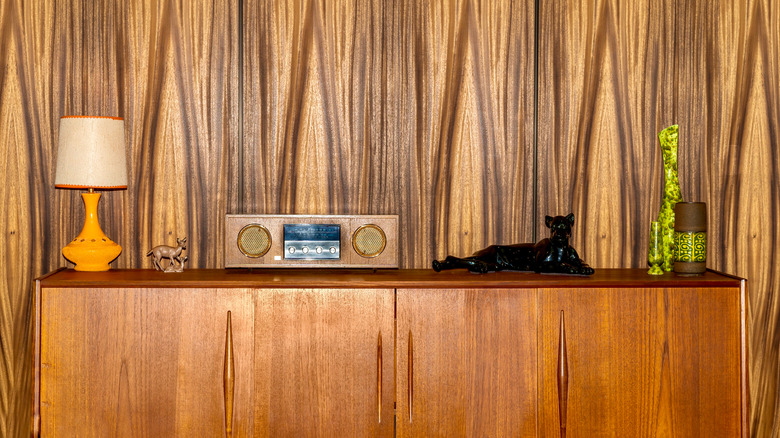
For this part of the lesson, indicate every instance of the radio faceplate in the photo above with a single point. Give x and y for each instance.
(312, 241)
(326, 241)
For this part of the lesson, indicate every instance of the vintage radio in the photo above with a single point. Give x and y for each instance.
(286, 241)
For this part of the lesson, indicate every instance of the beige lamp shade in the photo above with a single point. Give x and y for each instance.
(91, 153)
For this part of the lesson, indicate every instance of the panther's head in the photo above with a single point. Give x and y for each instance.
(560, 228)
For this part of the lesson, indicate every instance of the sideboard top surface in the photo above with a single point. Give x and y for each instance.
(378, 279)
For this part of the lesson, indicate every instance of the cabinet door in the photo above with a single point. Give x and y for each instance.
(324, 362)
(640, 362)
(143, 362)
(467, 362)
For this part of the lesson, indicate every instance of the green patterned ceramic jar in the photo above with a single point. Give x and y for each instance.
(690, 237)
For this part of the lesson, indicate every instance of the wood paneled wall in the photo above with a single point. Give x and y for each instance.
(422, 109)
(376, 107)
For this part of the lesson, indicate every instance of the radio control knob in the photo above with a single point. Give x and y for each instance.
(291, 250)
(319, 250)
(333, 250)
(305, 250)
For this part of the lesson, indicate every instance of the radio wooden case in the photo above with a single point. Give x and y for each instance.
(265, 241)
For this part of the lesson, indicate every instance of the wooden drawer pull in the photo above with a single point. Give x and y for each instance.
(229, 378)
(563, 377)
(411, 374)
(379, 376)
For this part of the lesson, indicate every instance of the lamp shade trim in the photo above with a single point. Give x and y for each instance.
(91, 117)
(72, 186)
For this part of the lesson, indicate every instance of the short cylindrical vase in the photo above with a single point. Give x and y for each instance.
(690, 237)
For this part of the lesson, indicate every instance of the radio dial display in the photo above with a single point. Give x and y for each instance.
(300, 239)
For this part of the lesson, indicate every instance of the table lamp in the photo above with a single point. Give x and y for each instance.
(91, 155)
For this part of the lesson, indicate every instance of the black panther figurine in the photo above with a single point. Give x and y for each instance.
(552, 255)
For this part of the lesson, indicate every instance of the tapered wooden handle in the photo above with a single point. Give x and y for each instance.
(229, 378)
(563, 377)
(410, 386)
(379, 376)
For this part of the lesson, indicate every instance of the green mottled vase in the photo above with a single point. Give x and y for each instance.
(672, 195)
(654, 255)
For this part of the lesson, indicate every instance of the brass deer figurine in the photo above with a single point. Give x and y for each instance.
(172, 254)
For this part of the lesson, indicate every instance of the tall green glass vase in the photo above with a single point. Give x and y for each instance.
(672, 195)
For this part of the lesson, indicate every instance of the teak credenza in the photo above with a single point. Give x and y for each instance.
(341, 353)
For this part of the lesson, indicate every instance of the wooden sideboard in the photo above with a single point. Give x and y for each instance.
(389, 352)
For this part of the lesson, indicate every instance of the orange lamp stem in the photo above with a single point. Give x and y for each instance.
(91, 250)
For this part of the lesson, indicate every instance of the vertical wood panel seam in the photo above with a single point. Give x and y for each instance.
(535, 151)
(240, 129)
(535, 206)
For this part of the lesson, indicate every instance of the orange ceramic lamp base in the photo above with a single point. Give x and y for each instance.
(91, 250)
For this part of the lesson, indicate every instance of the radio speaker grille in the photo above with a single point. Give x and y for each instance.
(369, 241)
(254, 240)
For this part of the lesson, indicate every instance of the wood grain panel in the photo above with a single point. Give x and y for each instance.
(639, 362)
(94, 382)
(170, 70)
(421, 110)
(611, 76)
(474, 362)
(315, 362)
(606, 87)
(180, 62)
(735, 127)
(21, 245)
